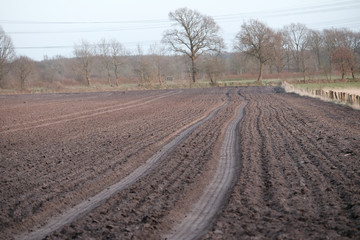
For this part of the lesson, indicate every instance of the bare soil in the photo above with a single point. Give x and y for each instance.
(296, 172)
(300, 171)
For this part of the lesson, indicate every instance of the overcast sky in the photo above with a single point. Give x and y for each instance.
(52, 27)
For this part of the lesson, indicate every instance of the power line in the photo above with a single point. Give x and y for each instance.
(83, 22)
(93, 45)
(151, 24)
(323, 7)
(92, 30)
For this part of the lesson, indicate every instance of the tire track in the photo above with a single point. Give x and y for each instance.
(311, 197)
(85, 207)
(90, 113)
(198, 220)
(91, 166)
(148, 207)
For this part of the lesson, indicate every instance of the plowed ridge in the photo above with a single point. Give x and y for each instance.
(45, 171)
(198, 220)
(300, 171)
(85, 114)
(83, 208)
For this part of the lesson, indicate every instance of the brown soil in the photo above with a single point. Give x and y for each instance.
(297, 174)
(300, 171)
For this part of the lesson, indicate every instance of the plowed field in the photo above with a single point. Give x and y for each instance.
(220, 163)
(300, 171)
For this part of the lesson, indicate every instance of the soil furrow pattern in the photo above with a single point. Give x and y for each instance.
(126, 168)
(299, 175)
(199, 218)
(83, 208)
(89, 114)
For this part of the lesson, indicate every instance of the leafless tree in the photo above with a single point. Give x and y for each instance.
(52, 68)
(333, 39)
(353, 42)
(297, 36)
(316, 43)
(141, 67)
(256, 39)
(84, 54)
(343, 60)
(280, 51)
(104, 49)
(7, 54)
(193, 34)
(213, 66)
(118, 54)
(157, 55)
(23, 66)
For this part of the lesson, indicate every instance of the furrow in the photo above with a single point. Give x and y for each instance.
(198, 220)
(83, 208)
(87, 115)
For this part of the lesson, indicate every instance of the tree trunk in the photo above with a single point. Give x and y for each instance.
(108, 75)
(159, 73)
(22, 83)
(87, 78)
(304, 69)
(116, 75)
(194, 71)
(352, 73)
(260, 73)
(304, 76)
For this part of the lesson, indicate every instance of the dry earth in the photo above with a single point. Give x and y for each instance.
(133, 165)
(300, 171)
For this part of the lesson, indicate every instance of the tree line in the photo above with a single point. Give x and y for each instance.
(192, 49)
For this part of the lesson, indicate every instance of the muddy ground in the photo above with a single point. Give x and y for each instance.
(297, 166)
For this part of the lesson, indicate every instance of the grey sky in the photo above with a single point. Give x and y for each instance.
(51, 27)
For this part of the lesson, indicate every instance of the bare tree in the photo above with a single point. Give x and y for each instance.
(23, 66)
(193, 34)
(353, 40)
(117, 52)
(213, 66)
(297, 36)
(256, 39)
(84, 54)
(104, 49)
(52, 68)
(141, 67)
(333, 39)
(280, 52)
(316, 43)
(343, 60)
(7, 54)
(157, 55)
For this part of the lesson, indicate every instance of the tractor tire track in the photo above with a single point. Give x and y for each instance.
(85, 207)
(293, 183)
(51, 170)
(148, 206)
(204, 210)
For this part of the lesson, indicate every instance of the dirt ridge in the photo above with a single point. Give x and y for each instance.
(88, 114)
(197, 221)
(86, 206)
